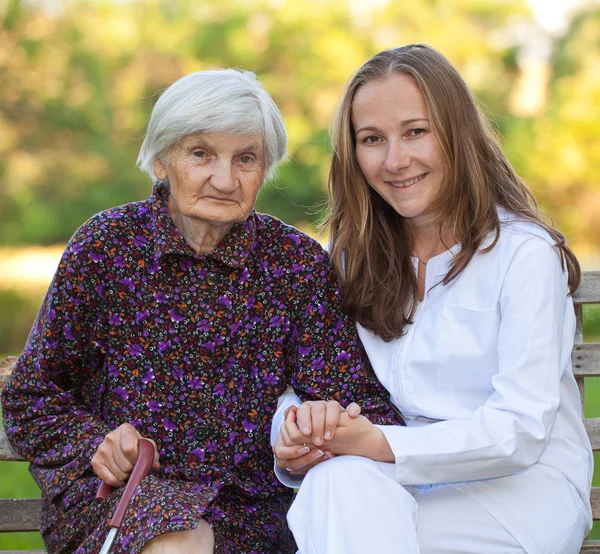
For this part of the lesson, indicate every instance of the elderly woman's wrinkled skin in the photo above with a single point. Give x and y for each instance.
(214, 179)
(197, 541)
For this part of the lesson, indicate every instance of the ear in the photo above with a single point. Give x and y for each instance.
(159, 169)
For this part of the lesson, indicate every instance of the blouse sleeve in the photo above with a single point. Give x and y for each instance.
(48, 416)
(285, 401)
(325, 357)
(510, 431)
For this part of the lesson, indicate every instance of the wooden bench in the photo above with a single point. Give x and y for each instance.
(23, 514)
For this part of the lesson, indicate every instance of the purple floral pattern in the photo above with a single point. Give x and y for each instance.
(194, 352)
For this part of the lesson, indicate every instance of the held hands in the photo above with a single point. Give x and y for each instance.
(297, 459)
(318, 421)
(115, 457)
(315, 431)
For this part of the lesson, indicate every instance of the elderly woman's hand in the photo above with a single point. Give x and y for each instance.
(115, 457)
(317, 420)
(306, 426)
(291, 451)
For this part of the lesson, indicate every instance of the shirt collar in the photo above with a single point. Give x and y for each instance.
(440, 264)
(234, 250)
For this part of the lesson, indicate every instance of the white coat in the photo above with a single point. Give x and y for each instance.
(483, 378)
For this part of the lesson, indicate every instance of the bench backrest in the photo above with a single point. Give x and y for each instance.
(586, 363)
(23, 514)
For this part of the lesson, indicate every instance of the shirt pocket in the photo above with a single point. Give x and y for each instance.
(468, 347)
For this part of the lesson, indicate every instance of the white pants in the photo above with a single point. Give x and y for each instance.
(353, 505)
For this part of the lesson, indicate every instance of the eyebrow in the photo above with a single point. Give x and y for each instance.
(252, 147)
(203, 143)
(402, 124)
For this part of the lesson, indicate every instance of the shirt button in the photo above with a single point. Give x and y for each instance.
(201, 433)
(211, 278)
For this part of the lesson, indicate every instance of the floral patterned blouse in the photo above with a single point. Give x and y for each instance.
(194, 351)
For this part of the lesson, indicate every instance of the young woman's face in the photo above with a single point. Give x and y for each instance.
(396, 148)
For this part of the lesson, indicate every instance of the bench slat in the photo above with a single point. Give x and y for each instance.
(586, 359)
(595, 501)
(589, 291)
(591, 547)
(20, 514)
(592, 426)
(6, 367)
(6, 450)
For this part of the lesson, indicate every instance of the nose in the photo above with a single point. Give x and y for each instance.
(397, 157)
(222, 178)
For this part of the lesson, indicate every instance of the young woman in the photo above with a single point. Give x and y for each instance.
(462, 297)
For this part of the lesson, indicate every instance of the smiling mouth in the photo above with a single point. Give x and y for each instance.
(406, 182)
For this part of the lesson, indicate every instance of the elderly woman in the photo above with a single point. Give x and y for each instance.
(182, 318)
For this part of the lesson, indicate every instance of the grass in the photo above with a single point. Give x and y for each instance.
(17, 483)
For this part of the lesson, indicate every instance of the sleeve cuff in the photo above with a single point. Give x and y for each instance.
(286, 478)
(287, 399)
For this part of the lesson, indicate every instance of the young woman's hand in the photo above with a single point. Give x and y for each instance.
(116, 455)
(317, 420)
(358, 436)
(297, 447)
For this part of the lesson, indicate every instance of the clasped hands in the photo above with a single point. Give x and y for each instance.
(312, 433)
(318, 430)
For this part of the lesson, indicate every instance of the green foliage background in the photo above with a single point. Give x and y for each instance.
(78, 79)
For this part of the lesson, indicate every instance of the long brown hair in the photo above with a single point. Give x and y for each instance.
(371, 244)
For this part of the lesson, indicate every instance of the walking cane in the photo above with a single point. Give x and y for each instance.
(141, 469)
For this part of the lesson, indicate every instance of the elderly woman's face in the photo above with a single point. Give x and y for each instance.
(214, 177)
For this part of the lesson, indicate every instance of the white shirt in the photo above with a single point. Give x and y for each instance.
(483, 377)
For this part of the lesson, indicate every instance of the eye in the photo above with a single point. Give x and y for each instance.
(201, 154)
(417, 132)
(246, 159)
(371, 139)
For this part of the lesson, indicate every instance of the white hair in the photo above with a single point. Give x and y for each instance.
(214, 101)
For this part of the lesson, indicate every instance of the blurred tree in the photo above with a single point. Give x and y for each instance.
(78, 79)
(559, 150)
